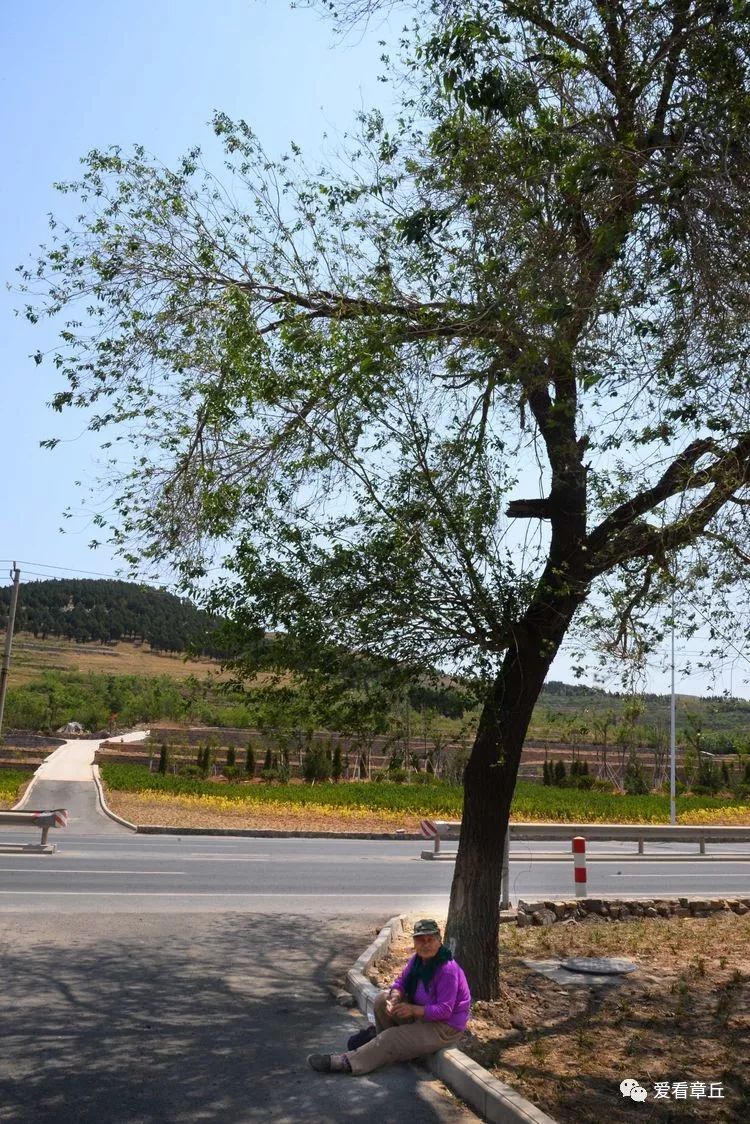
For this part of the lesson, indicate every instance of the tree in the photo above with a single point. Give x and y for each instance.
(352, 376)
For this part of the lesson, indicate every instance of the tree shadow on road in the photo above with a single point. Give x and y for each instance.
(199, 1017)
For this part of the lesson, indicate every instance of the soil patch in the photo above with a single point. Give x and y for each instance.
(684, 1016)
(175, 811)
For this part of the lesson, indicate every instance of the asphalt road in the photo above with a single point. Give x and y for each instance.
(119, 871)
(154, 1018)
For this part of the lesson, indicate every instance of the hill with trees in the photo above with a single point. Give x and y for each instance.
(107, 611)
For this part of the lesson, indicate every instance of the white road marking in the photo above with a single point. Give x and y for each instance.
(188, 894)
(693, 876)
(69, 870)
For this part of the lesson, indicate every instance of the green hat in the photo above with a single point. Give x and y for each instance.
(426, 928)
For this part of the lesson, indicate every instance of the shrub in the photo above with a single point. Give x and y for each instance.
(336, 764)
(634, 781)
(559, 773)
(708, 777)
(250, 760)
(398, 776)
(230, 772)
(316, 766)
(267, 761)
(269, 775)
(163, 760)
(191, 771)
(231, 757)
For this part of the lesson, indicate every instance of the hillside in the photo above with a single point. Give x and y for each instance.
(104, 612)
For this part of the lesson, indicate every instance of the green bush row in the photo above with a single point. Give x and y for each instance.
(436, 799)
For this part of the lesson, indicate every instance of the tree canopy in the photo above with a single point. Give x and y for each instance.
(479, 383)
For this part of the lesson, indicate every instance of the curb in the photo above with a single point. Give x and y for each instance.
(271, 833)
(492, 1099)
(103, 803)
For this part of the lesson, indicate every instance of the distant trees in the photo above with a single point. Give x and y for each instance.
(100, 610)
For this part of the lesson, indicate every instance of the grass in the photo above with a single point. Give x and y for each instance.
(10, 782)
(440, 801)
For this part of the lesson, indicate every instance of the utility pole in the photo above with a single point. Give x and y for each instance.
(16, 575)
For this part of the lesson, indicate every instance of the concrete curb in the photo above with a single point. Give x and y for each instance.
(492, 1099)
(103, 803)
(272, 833)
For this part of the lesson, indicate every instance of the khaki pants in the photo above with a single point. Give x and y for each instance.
(400, 1040)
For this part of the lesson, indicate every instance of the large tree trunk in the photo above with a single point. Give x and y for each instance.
(489, 782)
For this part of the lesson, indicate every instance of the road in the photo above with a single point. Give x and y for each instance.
(121, 872)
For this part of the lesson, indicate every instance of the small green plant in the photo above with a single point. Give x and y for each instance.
(316, 766)
(231, 757)
(163, 759)
(634, 781)
(336, 769)
(250, 760)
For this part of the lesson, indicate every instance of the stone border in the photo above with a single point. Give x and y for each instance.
(624, 909)
(492, 1099)
(103, 803)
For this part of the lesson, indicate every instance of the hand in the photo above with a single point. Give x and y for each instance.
(393, 1000)
(404, 1010)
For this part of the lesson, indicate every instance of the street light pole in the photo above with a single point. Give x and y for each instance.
(672, 739)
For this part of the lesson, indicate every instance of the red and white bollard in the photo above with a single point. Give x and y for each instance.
(579, 865)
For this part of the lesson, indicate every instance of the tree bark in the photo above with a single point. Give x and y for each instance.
(472, 931)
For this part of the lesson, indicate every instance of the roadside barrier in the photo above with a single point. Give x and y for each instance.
(44, 820)
(597, 832)
(579, 865)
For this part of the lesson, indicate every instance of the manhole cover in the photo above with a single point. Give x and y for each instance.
(599, 966)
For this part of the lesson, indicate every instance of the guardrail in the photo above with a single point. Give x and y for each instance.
(44, 820)
(439, 830)
(580, 834)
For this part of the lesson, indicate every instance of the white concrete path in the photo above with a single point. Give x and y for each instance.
(73, 761)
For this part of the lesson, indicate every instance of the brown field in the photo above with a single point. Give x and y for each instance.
(32, 656)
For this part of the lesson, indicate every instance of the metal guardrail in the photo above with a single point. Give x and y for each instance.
(44, 820)
(439, 830)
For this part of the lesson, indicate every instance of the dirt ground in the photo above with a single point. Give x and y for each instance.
(171, 811)
(683, 1016)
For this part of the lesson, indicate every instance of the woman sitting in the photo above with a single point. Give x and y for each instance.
(426, 1009)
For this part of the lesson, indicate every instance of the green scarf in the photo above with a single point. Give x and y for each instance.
(424, 970)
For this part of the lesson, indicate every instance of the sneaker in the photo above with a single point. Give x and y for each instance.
(319, 1062)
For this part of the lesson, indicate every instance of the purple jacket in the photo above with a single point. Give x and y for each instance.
(448, 999)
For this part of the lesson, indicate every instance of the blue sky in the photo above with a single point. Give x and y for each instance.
(84, 75)
(81, 75)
